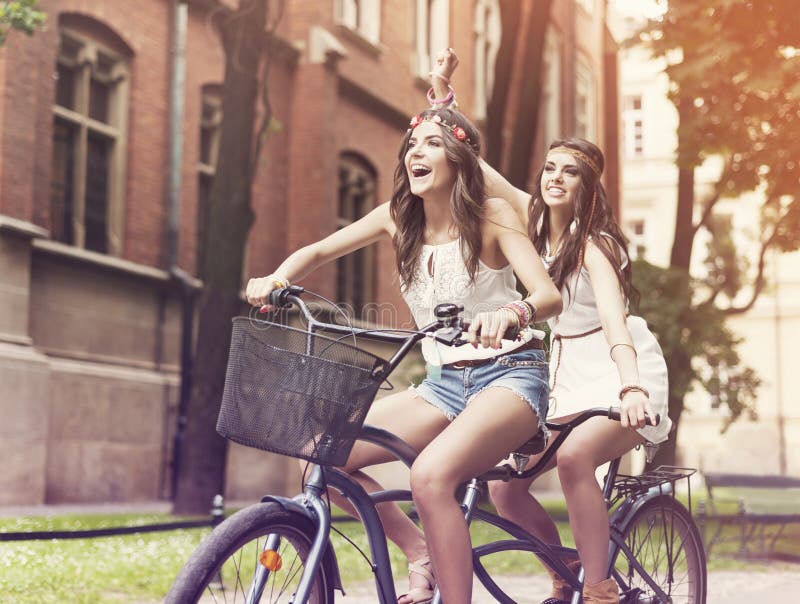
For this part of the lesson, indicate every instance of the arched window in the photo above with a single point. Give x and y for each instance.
(488, 31)
(87, 176)
(355, 272)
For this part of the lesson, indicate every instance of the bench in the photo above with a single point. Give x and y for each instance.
(752, 503)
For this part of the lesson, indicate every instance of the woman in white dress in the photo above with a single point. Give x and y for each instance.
(600, 356)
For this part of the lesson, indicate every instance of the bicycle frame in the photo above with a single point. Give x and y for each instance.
(313, 505)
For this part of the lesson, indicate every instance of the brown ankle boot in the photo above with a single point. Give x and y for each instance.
(605, 592)
(562, 591)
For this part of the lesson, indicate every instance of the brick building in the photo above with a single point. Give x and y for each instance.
(91, 151)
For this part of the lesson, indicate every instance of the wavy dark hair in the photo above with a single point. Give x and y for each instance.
(467, 199)
(590, 223)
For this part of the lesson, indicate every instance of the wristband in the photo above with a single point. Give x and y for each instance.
(443, 101)
(631, 388)
(611, 350)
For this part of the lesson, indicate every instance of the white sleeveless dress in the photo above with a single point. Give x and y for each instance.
(587, 376)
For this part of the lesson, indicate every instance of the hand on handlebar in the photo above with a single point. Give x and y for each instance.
(258, 291)
(488, 328)
(636, 411)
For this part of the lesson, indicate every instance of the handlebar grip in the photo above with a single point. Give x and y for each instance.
(614, 413)
(279, 298)
(512, 333)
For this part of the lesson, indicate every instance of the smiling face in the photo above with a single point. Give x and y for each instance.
(426, 161)
(560, 180)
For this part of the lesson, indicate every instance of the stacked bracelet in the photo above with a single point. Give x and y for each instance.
(450, 98)
(525, 311)
(632, 388)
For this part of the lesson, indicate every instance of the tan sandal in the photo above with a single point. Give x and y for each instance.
(421, 595)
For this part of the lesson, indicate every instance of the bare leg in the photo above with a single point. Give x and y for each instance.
(590, 445)
(514, 501)
(417, 422)
(492, 424)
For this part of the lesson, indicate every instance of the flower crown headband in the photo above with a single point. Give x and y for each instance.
(579, 155)
(457, 131)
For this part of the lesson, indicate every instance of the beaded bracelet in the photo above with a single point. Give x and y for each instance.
(444, 101)
(522, 311)
(632, 388)
(533, 310)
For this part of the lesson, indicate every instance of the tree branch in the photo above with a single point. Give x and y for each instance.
(266, 118)
(760, 282)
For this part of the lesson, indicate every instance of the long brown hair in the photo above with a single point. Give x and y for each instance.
(467, 199)
(594, 219)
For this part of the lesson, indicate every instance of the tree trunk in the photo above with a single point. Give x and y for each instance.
(503, 69)
(678, 362)
(524, 131)
(684, 231)
(202, 471)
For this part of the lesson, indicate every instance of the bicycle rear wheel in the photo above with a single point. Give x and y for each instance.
(662, 537)
(225, 566)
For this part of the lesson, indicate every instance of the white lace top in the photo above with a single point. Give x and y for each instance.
(442, 276)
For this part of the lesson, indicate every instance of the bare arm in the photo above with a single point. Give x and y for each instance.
(520, 253)
(504, 230)
(496, 184)
(611, 307)
(361, 233)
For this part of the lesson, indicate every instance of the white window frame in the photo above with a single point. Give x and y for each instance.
(360, 16)
(586, 89)
(115, 130)
(633, 126)
(551, 89)
(488, 31)
(432, 33)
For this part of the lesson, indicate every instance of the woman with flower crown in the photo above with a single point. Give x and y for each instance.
(601, 355)
(479, 400)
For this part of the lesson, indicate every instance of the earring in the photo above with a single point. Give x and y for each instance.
(573, 226)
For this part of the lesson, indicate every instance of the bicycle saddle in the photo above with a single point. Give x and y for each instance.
(534, 445)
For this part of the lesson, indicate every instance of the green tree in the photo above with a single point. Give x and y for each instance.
(21, 15)
(734, 70)
(247, 34)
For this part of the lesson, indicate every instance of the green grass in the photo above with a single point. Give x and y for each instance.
(137, 569)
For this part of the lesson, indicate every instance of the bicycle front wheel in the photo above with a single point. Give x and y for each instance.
(260, 552)
(663, 539)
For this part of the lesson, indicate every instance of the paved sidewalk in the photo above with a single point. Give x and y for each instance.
(724, 587)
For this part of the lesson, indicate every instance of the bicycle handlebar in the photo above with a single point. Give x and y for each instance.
(447, 329)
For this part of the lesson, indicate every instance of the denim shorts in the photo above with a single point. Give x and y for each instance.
(524, 373)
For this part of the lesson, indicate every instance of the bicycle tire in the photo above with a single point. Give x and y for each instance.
(221, 568)
(666, 543)
(503, 551)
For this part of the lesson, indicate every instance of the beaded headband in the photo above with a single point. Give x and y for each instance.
(579, 155)
(457, 131)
